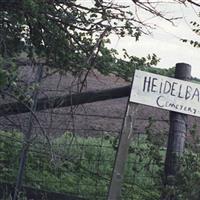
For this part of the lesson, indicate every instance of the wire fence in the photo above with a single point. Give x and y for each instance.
(78, 158)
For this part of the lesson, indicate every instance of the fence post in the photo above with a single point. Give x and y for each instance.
(114, 192)
(176, 138)
(27, 136)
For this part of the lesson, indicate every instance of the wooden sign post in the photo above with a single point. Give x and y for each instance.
(122, 152)
(158, 91)
(177, 134)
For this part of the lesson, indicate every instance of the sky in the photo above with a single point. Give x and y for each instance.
(164, 40)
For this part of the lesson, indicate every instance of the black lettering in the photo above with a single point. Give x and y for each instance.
(188, 92)
(185, 108)
(194, 110)
(172, 90)
(179, 92)
(153, 85)
(172, 105)
(189, 109)
(167, 87)
(158, 102)
(146, 83)
(181, 106)
(161, 84)
(196, 93)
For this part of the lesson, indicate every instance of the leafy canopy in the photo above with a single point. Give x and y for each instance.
(63, 33)
(70, 34)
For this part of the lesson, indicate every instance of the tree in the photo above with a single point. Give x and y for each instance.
(67, 36)
(71, 36)
(196, 30)
(64, 34)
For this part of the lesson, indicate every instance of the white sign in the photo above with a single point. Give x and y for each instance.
(166, 93)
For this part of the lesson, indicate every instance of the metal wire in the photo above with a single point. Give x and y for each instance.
(81, 164)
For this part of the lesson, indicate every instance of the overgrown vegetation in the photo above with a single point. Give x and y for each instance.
(83, 166)
(70, 37)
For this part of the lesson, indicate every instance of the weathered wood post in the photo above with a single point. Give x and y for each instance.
(122, 152)
(172, 94)
(176, 138)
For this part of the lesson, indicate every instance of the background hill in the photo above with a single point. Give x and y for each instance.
(87, 119)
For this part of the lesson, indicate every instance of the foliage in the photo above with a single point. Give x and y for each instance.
(196, 30)
(62, 33)
(68, 36)
(8, 73)
(188, 176)
(72, 36)
(81, 166)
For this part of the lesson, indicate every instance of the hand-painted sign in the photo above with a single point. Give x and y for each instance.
(166, 93)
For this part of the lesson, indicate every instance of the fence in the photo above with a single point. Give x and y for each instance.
(79, 163)
(72, 150)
